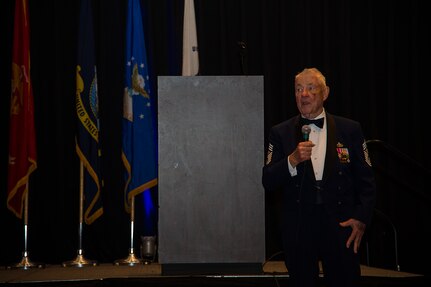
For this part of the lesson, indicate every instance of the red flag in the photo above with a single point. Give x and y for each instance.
(22, 137)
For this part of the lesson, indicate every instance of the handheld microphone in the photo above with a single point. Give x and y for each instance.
(306, 132)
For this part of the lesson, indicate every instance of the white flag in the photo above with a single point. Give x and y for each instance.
(190, 41)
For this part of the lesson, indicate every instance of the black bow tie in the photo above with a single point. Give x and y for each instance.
(317, 122)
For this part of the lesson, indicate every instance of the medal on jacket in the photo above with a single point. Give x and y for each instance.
(343, 153)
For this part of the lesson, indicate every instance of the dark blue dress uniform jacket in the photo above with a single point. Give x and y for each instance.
(347, 187)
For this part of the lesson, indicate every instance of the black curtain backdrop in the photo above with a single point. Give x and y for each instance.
(375, 56)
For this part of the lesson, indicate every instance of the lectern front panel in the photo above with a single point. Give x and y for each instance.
(211, 152)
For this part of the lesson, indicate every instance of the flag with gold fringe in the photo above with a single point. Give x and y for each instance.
(139, 152)
(87, 111)
(22, 134)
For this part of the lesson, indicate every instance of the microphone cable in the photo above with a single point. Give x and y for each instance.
(305, 134)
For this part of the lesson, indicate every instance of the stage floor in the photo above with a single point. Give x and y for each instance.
(107, 274)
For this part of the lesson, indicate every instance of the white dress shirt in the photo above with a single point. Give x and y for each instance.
(318, 152)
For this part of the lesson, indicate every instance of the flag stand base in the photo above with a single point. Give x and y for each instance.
(26, 263)
(79, 261)
(131, 260)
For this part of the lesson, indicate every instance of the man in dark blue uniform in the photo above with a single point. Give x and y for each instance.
(320, 162)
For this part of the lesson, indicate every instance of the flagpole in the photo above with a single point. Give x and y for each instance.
(80, 261)
(138, 129)
(25, 262)
(131, 259)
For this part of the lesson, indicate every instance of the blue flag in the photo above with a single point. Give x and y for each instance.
(87, 109)
(139, 132)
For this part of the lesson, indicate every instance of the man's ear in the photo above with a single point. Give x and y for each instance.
(326, 93)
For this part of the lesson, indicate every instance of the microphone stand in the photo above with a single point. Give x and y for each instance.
(242, 54)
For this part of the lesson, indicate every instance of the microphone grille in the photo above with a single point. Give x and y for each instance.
(306, 129)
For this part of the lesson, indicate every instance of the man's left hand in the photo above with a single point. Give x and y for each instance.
(358, 229)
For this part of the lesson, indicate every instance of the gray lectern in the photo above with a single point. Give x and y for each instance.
(211, 200)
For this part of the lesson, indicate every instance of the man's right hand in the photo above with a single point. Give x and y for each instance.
(301, 153)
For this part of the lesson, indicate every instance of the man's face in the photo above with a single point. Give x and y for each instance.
(310, 95)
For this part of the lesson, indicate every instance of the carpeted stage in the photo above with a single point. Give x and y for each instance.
(110, 275)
